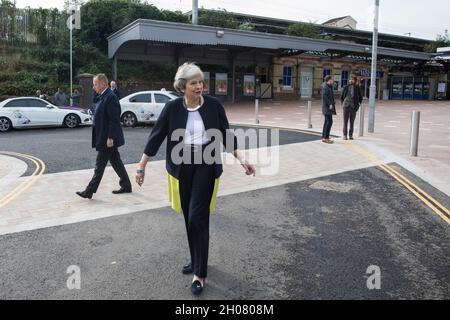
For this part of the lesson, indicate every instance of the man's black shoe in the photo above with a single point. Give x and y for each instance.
(187, 269)
(122, 190)
(84, 194)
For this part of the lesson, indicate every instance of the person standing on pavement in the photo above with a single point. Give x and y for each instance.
(351, 99)
(328, 108)
(60, 98)
(114, 89)
(76, 97)
(186, 123)
(107, 137)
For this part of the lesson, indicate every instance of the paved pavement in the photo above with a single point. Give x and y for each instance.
(392, 129)
(307, 226)
(51, 200)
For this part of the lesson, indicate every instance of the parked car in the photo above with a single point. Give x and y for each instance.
(144, 106)
(27, 112)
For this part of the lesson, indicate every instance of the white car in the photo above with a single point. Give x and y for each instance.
(144, 106)
(28, 112)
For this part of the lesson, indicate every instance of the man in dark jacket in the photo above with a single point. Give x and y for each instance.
(113, 86)
(351, 99)
(328, 108)
(107, 137)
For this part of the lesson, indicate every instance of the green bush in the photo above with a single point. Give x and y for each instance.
(307, 30)
(217, 18)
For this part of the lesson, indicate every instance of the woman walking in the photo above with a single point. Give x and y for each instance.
(192, 184)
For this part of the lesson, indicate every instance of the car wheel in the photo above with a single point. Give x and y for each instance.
(5, 124)
(71, 121)
(129, 119)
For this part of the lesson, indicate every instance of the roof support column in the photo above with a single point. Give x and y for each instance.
(114, 68)
(233, 76)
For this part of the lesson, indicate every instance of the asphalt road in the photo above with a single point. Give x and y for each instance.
(64, 149)
(313, 239)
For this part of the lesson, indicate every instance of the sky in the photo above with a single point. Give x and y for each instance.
(423, 19)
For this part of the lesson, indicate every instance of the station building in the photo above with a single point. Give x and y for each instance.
(287, 67)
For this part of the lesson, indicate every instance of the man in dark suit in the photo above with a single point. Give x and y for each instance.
(114, 89)
(107, 137)
(351, 99)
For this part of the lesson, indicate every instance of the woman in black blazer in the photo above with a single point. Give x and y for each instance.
(195, 126)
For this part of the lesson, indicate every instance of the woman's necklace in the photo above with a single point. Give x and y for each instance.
(195, 108)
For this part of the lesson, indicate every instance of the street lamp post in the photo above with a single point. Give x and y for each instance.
(71, 68)
(194, 11)
(373, 73)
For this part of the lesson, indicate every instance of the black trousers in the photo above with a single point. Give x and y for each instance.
(349, 115)
(196, 185)
(112, 155)
(327, 126)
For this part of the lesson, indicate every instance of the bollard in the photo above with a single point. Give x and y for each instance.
(361, 120)
(257, 111)
(309, 114)
(415, 121)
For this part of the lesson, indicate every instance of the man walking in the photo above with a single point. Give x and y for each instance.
(351, 100)
(114, 89)
(107, 137)
(328, 108)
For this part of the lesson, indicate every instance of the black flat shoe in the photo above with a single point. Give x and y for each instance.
(196, 287)
(84, 194)
(187, 269)
(121, 190)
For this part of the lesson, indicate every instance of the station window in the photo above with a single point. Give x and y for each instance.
(287, 76)
(326, 72)
(344, 79)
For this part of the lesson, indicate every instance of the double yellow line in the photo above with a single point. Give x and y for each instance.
(17, 191)
(431, 202)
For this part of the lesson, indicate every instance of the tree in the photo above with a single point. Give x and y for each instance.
(101, 18)
(307, 30)
(217, 18)
(440, 42)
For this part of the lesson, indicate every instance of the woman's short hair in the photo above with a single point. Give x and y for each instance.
(185, 72)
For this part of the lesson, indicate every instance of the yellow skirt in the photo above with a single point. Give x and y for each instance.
(174, 194)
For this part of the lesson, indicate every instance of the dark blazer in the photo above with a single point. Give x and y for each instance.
(174, 116)
(357, 99)
(328, 100)
(107, 121)
(116, 92)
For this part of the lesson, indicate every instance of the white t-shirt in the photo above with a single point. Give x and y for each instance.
(195, 129)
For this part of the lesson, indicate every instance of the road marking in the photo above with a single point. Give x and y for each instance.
(432, 203)
(17, 191)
